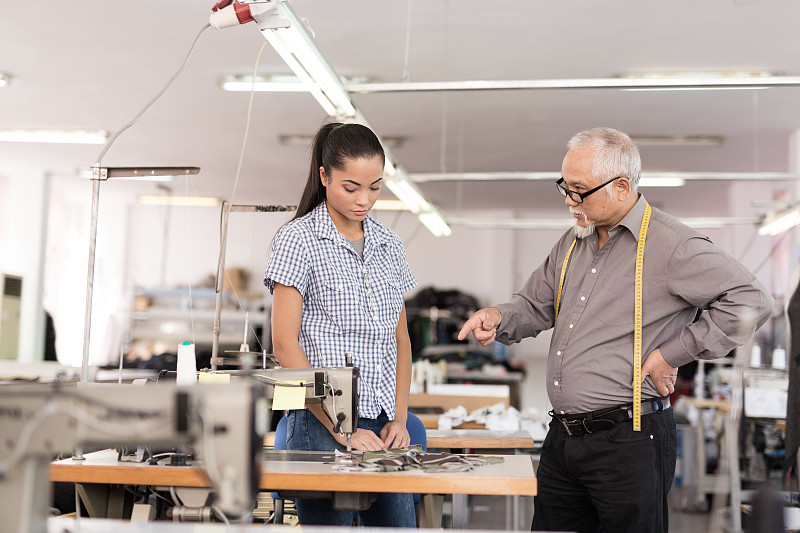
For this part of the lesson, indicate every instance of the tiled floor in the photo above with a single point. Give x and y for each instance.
(487, 512)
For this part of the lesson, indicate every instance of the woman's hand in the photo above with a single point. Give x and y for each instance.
(395, 435)
(362, 439)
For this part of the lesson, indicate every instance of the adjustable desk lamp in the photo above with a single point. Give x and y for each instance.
(223, 242)
(103, 174)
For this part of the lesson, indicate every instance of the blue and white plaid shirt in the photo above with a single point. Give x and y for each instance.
(349, 304)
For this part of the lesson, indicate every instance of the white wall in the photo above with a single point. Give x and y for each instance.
(66, 267)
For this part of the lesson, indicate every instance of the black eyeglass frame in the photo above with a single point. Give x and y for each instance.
(580, 195)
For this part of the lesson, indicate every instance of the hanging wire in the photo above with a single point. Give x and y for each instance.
(152, 100)
(443, 143)
(460, 166)
(223, 229)
(756, 146)
(188, 282)
(406, 72)
(772, 251)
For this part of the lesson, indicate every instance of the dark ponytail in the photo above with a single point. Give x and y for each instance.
(333, 144)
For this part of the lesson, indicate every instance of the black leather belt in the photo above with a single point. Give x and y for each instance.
(582, 423)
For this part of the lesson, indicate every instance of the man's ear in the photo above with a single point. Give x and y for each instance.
(624, 189)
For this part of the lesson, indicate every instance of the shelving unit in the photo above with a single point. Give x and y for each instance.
(171, 316)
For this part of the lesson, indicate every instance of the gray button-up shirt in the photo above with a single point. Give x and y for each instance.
(590, 365)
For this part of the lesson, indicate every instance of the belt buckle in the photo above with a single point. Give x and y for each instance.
(566, 426)
(577, 424)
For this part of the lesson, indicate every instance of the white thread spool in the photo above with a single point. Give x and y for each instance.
(755, 356)
(187, 364)
(779, 358)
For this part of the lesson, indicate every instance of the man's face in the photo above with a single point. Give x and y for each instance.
(597, 208)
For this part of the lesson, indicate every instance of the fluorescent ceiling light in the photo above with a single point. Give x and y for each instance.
(561, 224)
(553, 176)
(305, 141)
(434, 221)
(291, 40)
(678, 140)
(54, 136)
(191, 201)
(711, 74)
(650, 83)
(748, 77)
(723, 87)
(5, 79)
(279, 83)
(300, 53)
(777, 222)
(285, 84)
(661, 182)
(409, 194)
(390, 205)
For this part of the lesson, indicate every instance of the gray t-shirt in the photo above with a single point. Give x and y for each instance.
(358, 246)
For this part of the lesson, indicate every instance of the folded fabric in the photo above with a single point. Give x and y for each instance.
(414, 458)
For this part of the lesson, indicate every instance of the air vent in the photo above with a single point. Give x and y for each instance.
(12, 286)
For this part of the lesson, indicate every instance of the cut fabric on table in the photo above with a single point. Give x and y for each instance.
(414, 458)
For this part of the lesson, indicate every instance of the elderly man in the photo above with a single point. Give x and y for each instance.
(626, 278)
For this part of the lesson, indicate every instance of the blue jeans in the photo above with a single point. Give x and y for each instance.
(305, 432)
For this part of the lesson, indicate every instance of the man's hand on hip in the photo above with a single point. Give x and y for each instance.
(483, 325)
(662, 374)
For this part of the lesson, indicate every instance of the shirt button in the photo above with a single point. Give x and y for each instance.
(570, 326)
(583, 298)
(375, 317)
(594, 271)
(558, 352)
(555, 383)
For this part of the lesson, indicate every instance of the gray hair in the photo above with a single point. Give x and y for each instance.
(615, 154)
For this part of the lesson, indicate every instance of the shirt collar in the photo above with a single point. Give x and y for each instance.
(324, 228)
(633, 218)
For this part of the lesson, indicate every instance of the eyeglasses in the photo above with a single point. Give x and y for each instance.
(578, 197)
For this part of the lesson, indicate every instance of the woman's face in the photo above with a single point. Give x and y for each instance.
(352, 191)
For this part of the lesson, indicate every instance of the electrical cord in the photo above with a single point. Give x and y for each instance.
(152, 100)
(771, 252)
(223, 226)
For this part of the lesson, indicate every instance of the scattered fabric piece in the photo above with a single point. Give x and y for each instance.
(414, 458)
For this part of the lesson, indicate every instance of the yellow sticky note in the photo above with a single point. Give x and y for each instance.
(208, 377)
(289, 397)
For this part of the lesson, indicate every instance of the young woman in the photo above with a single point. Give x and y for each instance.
(337, 277)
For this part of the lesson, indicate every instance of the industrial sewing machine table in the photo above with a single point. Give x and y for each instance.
(303, 471)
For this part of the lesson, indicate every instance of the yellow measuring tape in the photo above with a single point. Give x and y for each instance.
(637, 323)
(637, 315)
(561, 279)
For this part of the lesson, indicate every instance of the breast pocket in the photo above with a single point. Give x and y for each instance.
(338, 297)
(387, 292)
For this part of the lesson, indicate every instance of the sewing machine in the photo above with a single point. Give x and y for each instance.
(336, 388)
(225, 425)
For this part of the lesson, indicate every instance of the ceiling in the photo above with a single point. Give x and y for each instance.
(95, 64)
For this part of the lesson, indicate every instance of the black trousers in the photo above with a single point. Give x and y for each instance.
(614, 480)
